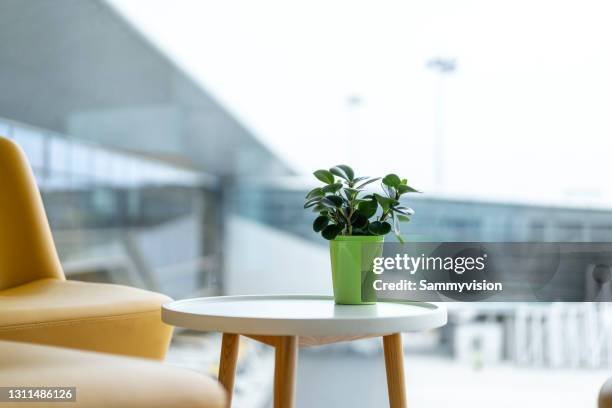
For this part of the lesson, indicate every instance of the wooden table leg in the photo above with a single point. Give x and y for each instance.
(227, 365)
(285, 365)
(394, 364)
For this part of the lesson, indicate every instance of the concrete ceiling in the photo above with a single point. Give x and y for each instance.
(76, 67)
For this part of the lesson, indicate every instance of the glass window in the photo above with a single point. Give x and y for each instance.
(5, 129)
(80, 159)
(33, 144)
(59, 155)
(102, 165)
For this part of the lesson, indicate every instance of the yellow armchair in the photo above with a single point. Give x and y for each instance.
(103, 380)
(38, 304)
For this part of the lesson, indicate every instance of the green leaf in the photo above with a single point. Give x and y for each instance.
(361, 231)
(403, 189)
(402, 218)
(396, 226)
(358, 179)
(362, 185)
(379, 228)
(343, 171)
(319, 208)
(339, 172)
(315, 192)
(320, 223)
(385, 202)
(358, 220)
(392, 180)
(389, 190)
(325, 176)
(349, 172)
(311, 202)
(331, 231)
(350, 193)
(332, 188)
(403, 210)
(338, 201)
(332, 201)
(367, 208)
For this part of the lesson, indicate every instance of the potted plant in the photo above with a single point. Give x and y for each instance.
(355, 222)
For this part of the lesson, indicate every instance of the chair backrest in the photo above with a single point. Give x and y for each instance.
(27, 251)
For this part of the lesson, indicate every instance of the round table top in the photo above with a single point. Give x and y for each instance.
(300, 315)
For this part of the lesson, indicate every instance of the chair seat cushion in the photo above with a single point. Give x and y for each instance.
(89, 316)
(103, 380)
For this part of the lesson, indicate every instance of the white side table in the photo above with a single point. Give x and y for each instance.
(286, 322)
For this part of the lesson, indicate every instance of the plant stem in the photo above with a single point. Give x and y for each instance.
(384, 216)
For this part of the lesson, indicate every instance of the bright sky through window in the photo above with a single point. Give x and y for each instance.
(524, 117)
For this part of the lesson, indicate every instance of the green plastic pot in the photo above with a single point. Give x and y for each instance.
(352, 259)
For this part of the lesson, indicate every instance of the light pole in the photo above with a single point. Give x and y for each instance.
(443, 67)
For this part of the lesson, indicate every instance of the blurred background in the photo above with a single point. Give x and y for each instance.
(173, 143)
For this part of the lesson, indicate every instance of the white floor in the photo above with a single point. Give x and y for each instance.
(436, 382)
(335, 377)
